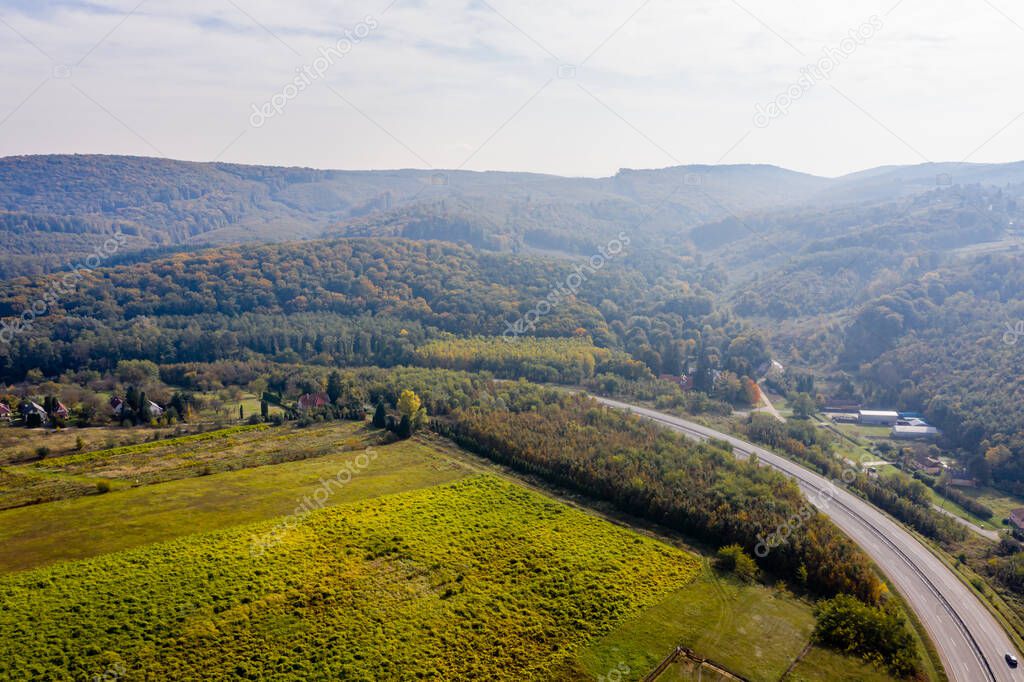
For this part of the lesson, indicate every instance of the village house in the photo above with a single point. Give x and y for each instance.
(961, 478)
(1016, 518)
(925, 463)
(117, 405)
(29, 408)
(5, 412)
(312, 401)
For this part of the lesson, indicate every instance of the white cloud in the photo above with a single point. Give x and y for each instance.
(443, 76)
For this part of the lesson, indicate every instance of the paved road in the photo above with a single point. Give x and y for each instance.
(970, 641)
(768, 407)
(973, 527)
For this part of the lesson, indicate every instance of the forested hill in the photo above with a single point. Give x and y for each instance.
(53, 208)
(917, 304)
(358, 301)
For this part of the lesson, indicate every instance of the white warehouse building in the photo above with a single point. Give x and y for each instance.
(914, 432)
(877, 417)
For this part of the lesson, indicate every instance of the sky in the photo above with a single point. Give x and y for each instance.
(572, 88)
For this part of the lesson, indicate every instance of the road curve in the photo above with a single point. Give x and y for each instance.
(970, 641)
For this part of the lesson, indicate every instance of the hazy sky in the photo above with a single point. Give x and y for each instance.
(578, 88)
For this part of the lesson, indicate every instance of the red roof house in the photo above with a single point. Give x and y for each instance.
(313, 400)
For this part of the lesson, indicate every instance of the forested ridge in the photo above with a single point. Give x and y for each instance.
(360, 301)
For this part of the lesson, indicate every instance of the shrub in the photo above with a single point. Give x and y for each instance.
(733, 558)
(877, 634)
(103, 487)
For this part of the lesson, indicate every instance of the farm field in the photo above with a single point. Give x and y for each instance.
(88, 526)
(480, 578)
(155, 461)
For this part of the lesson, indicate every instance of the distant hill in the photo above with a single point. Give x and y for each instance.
(54, 209)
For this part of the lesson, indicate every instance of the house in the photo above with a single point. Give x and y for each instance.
(155, 411)
(117, 405)
(29, 408)
(913, 432)
(312, 401)
(5, 411)
(1016, 518)
(61, 411)
(929, 465)
(962, 478)
(877, 417)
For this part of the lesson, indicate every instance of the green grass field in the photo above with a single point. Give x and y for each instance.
(476, 579)
(89, 526)
(822, 664)
(752, 630)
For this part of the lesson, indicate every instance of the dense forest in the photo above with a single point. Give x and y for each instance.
(362, 301)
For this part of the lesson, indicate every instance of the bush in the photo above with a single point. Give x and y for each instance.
(103, 487)
(876, 634)
(733, 558)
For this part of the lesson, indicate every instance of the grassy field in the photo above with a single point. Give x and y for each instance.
(89, 526)
(19, 444)
(478, 579)
(822, 664)
(999, 502)
(752, 630)
(156, 461)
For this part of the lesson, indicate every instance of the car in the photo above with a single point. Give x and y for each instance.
(1011, 660)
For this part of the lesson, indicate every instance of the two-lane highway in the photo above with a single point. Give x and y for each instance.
(970, 641)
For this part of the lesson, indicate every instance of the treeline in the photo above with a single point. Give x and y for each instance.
(572, 360)
(649, 472)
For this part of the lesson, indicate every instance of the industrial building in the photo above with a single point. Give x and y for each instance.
(914, 432)
(878, 417)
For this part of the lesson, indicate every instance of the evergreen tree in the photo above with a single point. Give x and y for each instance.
(132, 398)
(404, 427)
(264, 410)
(334, 387)
(380, 415)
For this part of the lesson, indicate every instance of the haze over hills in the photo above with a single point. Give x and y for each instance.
(50, 204)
